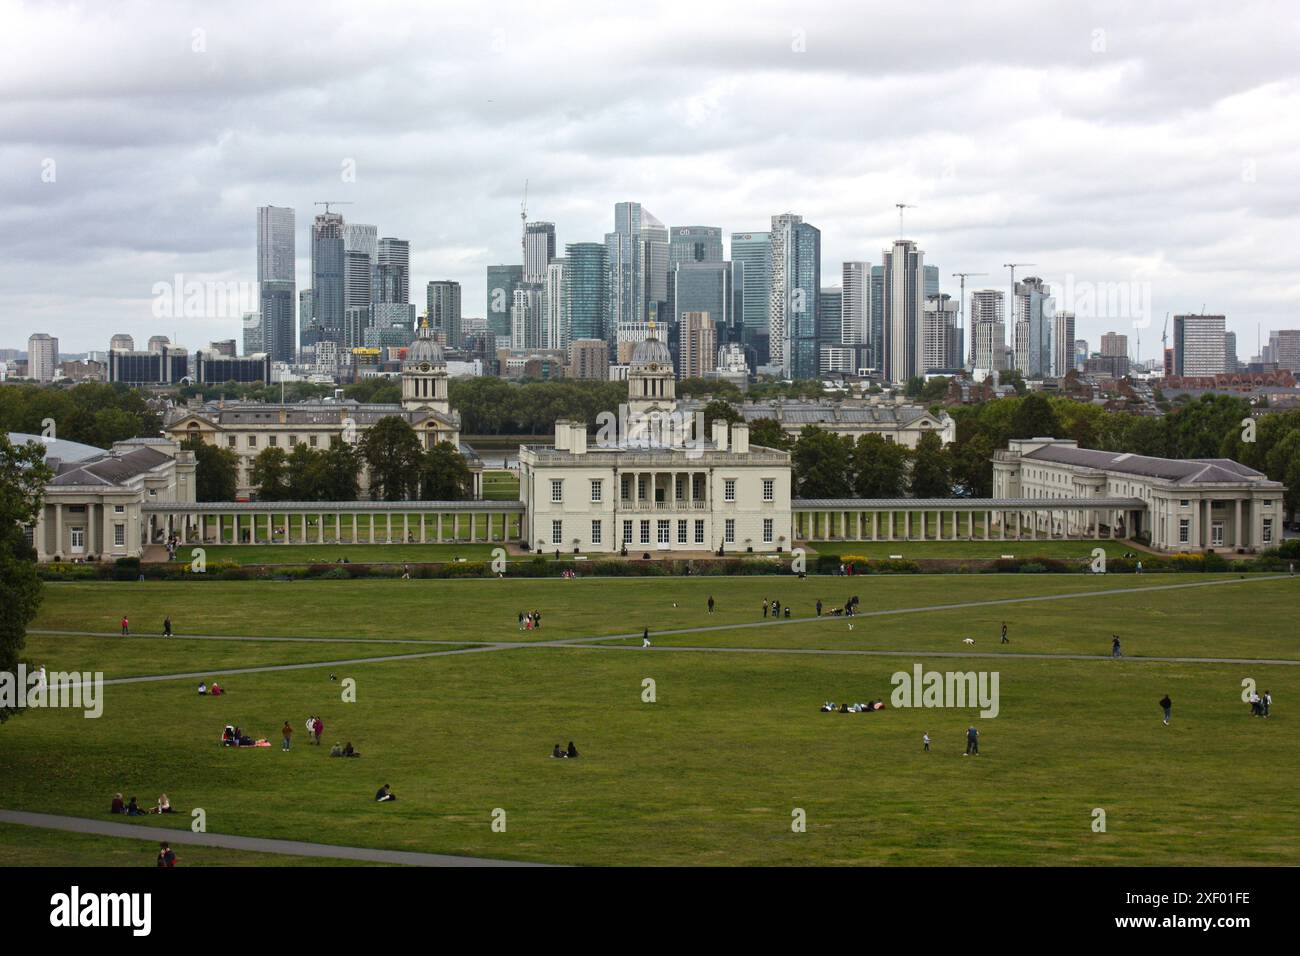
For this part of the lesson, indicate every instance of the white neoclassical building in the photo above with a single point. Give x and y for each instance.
(248, 428)
(652, 482)
(1185, 505)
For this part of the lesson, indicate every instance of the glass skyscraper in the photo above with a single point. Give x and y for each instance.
(796, 280)
(501, 283)
(584, 296)
(694, 244)
(327, 265)
(751, 263)
(276, 281)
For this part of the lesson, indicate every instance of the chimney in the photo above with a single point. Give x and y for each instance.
(720, 434)
(578, 438)
(740, 438)
(562, 434)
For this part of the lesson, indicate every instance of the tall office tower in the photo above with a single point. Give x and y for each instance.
(1284, 348)
(931, 281)
(553, 334)
(501, 283)
(42, 357)
(276, 282)
(526, 317)
(697, 345)
(254, 340)
(589, 359)
(356, 320)
(830, 316)
(357, 290)
(792, 311)
(539, 250)
(308, 325)
(1034, 309)
(940, 336)
(1062, 343)
(158, 342)
(1198, 344)
(584, 293)
(855, 303)
(903, 300)
(327, 257)
(122, 341)
(654, 239)
(394, 271)
(442, 306)
(1230, 352)
(702, 287)
(694, 244)
(751, 263)
(627, 281)
(1114, 345)
(1080, 353)
(988, 329)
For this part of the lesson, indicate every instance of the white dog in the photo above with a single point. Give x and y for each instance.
(968, 640)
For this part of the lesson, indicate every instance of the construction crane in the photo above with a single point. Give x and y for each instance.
(900, 206)
(961, 303)
(333, 202)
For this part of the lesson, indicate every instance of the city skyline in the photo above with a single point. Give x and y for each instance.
(1106, 179)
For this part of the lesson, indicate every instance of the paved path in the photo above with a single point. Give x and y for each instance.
(254, 844)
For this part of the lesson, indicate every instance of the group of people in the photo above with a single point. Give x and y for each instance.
(830, 708)
(847, 570)
(530, 620)
(233, 736)
(774, 607)
(315, 727)
(213, 690)
(1260, 704)
(133, 809)
(344, 751)
(173, 542)
(559, 752)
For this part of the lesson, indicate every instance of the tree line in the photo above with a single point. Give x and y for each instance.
(93, 413)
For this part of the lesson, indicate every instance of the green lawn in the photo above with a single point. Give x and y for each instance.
(329, 553)
(500, 486)
(711, 772)
(922, 550)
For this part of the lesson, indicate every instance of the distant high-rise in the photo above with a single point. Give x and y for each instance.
(1230, 352)
(792, 310)
(539, 250)
(830, 316)
(654, 236)
(701, 286)
(1198, 344)
(42, 357)
(253, 338)
(1062, 343)
(501, 283)
(940, 337)
(584, 295)
(855, 303)
(394, 271)
(589, 358)
(327, 268)
(442, 301)
(122, 341)
(157, 343)
(361, 265)
(694, 244)
(276, 283)
(308, 324)
(903, 295)
(751, 263)
(1032, 332)
(554, 335)
(638, 271)
(526, 317)
(1114, 345)
(1284, 348)
(697, 345)
(988, 330)
(931, 281)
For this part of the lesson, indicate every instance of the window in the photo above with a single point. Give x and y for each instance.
(230, 441)
(273, 441)
(645, 532)
(1216, 534)
(699, 532)
(729, 532)
(769, 489)
(312, 441)
(1184, 530)
(627, 532)
(119, 535)
(597, 489)
(293, 440)
(119, 509)
(640, 486)
(681, 532)
(595, 532)
(1186, 502)
(729, 489)
(557, 532)
(78, 539)
(1268, 530)
(557, 490)
(627, 488)
(662, 536)
(252, 441)
(767, 530)
(679, 487)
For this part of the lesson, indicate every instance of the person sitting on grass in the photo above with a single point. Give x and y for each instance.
(215, 690)
(133, 809)
(557, 752)
(166, 855)
(349, 752)
(336, 750)
(573, 751)
(203, 688)
(385, 794)
(164, 805)
(118, 805)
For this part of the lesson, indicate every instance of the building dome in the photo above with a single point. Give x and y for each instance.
(652, 353)
(425, 350)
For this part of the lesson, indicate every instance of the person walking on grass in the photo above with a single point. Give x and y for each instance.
(645, 637)
(1004, 633)
(167, 626)
(925, 742)
(1114, 645)
(317, 728)
(819, 607)
(286, 732)
(126, 626)
(710, 603)
(764, 607)
(972, 742)
(1167, 706)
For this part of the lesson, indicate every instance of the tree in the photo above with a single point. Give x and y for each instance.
(340, 465)
(915, 385)
(1013, 378)
(305, 478)
(23, 477)
(931, 468)
(720, 409)
(270, 473)
(821, 463)
(444, 474)
(879, 467)
(216, 470)
(1034, 418)
(768, 433)
(1284, 466)
(391, 450)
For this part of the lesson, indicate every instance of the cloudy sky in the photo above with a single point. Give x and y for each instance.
(1143, 156)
